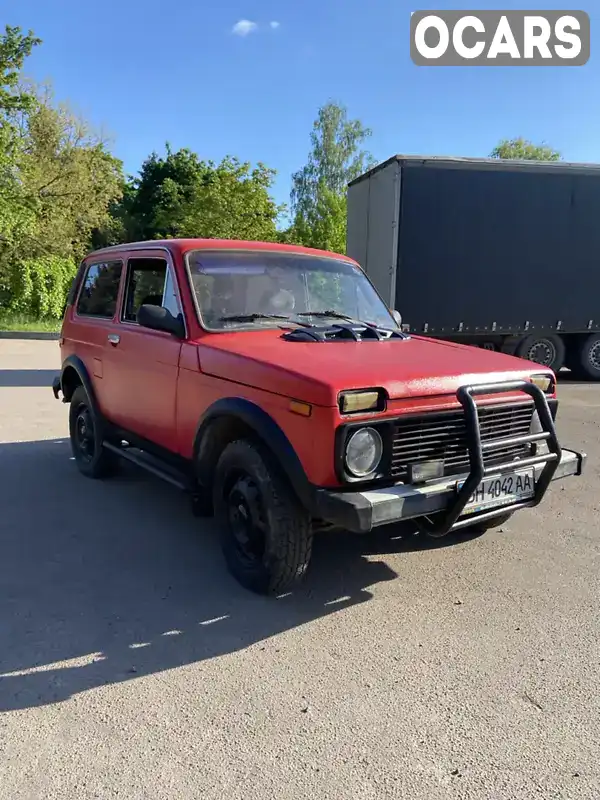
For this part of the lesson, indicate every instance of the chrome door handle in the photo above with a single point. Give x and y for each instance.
(114, 339)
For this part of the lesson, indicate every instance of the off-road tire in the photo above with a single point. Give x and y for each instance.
(98, 462)
(285, 527)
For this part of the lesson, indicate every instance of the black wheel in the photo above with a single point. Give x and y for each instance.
(91, 458)
(549, 351)
(495, 522)
(585, 361)
(266, 533)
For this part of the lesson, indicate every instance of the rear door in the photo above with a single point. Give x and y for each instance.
(144, 364)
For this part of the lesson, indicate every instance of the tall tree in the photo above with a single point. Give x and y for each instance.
(181, 195)
(15, 47)
(318, 196)
(57, 180)
(523, 149)
(69, 176)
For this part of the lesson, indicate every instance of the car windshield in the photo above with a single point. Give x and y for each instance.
(257, 288)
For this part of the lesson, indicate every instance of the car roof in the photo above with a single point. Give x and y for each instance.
(181, 246)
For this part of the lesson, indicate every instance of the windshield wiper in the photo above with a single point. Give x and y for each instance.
(257, 315)
(335, 315)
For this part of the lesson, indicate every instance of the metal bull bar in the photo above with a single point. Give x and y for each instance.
(448, 520)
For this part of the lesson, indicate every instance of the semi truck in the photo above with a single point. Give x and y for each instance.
(498, 254)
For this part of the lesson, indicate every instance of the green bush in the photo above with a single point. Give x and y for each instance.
(39, 286)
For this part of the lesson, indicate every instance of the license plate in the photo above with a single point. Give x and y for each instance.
(500, 490)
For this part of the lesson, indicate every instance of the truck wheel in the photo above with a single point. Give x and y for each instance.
(266, 534)
(586, 359)
(495, 522)
(91, 458)
(549, 351)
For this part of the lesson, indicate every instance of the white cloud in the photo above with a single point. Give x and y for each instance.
(274, 24)
(243, 27)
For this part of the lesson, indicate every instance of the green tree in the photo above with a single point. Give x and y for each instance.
(180, 195)
(523, 149)
(15, 216)
(325, 226)
(15, 47)
(57, 181)
(318, 196)
(69, 178)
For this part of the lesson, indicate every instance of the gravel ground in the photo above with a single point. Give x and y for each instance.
(133, 666)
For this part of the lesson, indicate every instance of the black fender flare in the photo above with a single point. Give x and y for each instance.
(266, 430)
(75, 363)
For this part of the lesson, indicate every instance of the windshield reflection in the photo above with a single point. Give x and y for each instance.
(236, 289)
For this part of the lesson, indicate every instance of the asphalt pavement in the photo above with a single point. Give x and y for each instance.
(133, 666)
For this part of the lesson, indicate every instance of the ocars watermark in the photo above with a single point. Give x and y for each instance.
(499, 38)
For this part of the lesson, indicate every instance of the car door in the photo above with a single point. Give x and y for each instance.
(94, 320)
(143, 364)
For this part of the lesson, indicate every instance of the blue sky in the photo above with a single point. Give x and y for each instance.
(149, 72)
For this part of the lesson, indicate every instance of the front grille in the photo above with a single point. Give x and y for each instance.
(430, 437)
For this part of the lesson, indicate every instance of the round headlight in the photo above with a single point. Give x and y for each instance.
(363, 452)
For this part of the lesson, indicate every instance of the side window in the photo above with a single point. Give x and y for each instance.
(98, 296)
(146, 279)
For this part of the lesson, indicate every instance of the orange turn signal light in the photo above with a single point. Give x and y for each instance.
(304, 409)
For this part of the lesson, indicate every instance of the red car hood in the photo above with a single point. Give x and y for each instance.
(317, 372)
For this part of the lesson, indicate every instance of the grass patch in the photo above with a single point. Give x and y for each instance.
(22, 322)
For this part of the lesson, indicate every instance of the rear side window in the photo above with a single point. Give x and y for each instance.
(98, 297)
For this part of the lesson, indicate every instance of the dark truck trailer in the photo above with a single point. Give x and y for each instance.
(499, 254)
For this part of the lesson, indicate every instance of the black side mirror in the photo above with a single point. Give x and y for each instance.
(397, 318)
(158, 318)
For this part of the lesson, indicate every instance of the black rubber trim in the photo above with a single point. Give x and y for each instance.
(581, 461)
(56, 387)
(269, 432)
(350, 511)
(155, 466)
(74, 362)
(75, 283)
(385, 428)
(171, 460)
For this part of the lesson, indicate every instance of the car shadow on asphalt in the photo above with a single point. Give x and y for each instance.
(27, 377)
(106, 581)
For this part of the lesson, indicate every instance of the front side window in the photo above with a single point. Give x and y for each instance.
(236, 289)
(98, 296)
(145, 285)
(149, 282)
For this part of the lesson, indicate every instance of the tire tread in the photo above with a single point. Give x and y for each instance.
(104, 463)
(292, 542)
